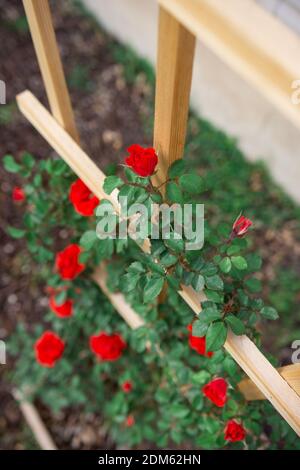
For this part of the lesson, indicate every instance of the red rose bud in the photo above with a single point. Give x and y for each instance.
(130, 421)
(234, 432)
(127, 386)
(142, 160)
(48, 349)
(216, 391)
(240, 226)
(61, 310)
(82, 198)
(18, 194)
(198, 344)
(107, 347)
(67, 262)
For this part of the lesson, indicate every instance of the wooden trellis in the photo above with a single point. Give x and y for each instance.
(179, 25)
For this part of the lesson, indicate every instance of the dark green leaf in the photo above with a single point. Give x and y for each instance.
(225, 265)
(216, 336)
(239, 262)
(199, 329)
(270, 313)
(88, 239)
(15, 232)
(191, 183)
(111, 183)
(214, 282)
(235, 324)
(177, 168)
(153, 288)
(198, 282)
(10, 164)
(174, 193)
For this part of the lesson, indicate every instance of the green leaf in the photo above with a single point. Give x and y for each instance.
(153, 288)
(177, 168)
(174, 193)
(111, 182)
(214, 282)
(191, 183)
(216, 336)
(10, 164)
(198, 282)
(136, 267)
(235, 324)
(179, 411)
(239, 262)
(209, 314)
(199, 329)
(225, 265)
(88, 239)
(15, 232)
(129, 281)
(28, 160)
(214, 296)
(270, 313)
(61, 297)
(233, 250)
(168, 260)
(253, 285)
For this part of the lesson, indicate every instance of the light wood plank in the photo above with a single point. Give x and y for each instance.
(290, 373)
(284, 399)
(251, 41)
(43, 36)
(35, 422)
(175, 56)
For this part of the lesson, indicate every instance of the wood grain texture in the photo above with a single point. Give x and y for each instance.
(35, 422)
(43, 36)
(290, 373)
(175, 56)
(251, 41)
(284, 399)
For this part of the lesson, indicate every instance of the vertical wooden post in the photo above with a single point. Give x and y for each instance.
(43, 36)
(175, 56)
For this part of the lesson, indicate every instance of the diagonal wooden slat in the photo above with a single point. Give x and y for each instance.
(40, 23)
(243, 350)
(290, 373)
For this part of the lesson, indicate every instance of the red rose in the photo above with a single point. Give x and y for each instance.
(198, 344)
(18, 194)
(48, 349)
(82, 198)
(107, 347)
(216, 391)
(234, 431)
(240, 226)
(61, 310)
(129, 421)
(127, 386)
(142, 160)
(67, 262)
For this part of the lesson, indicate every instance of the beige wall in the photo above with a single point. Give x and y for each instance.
(218, 94)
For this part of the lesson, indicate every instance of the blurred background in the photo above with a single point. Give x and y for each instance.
(246, 149)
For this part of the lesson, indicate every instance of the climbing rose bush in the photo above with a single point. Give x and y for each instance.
(169, 382)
